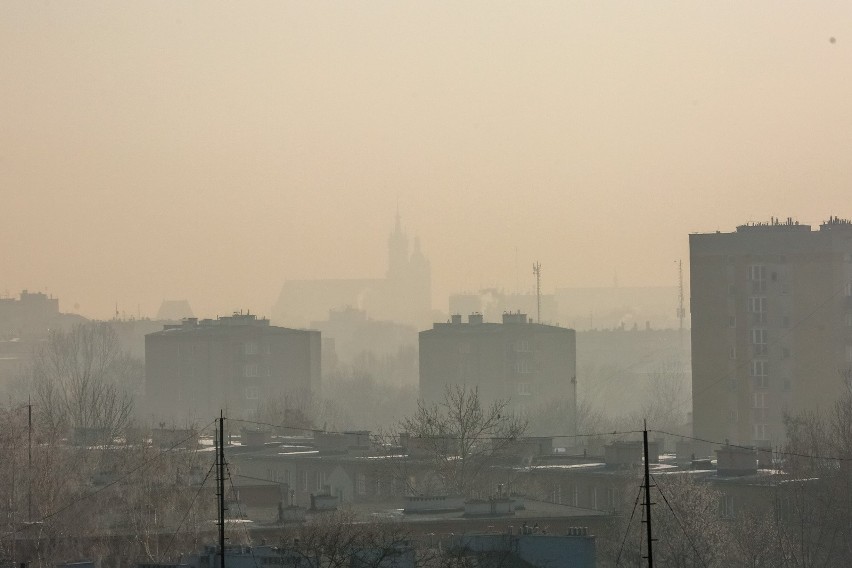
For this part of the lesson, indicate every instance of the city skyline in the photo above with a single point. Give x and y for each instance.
(153, 152)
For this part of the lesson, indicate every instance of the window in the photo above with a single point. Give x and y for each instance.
(268, 349)
(849, 353)
(522, 346)
(733, 415)
(464, 347)
(759, 431)
(252, 393)
(727, 506)
(304, 476)
(757, 272)
(522, 366)
(787, 384)
(759, 368)
(732, 384)
(785, 352)
(361, 483)
(524, 388)
(757, 304)
(849, 319)
(732, 353)
(250, 348)
(761, 382)
(758, 336)
(757, 275)
(250, 370)
(758, 341)
(759, 399)
(732, 321)
(848, 289)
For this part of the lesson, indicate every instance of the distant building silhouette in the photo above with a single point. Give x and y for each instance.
(771, 326)
(174, 310)
(527, 363)
(491, 303)
(195, 368)
(615, 307)
(404, 295)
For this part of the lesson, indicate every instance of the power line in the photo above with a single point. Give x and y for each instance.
(779, 452)
(240, 512)
(441, 437)
(130, 472)
(186, 515)
(682, 527)
(627, 530)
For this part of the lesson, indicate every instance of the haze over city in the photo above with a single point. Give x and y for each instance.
(211, 151)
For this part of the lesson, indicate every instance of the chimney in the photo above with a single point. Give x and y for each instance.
(456, 319)
(475, 318)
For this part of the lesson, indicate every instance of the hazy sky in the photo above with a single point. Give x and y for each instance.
(210, 151)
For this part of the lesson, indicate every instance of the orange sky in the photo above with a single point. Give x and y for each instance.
(209, 151)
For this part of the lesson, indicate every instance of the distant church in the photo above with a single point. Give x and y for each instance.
(404, 295)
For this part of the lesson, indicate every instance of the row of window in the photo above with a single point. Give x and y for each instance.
(253, 370)
(521, 346)
(248, 348)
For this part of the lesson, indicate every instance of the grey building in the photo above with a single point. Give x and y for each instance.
(195, 368)
(771, 326)
(527, 363)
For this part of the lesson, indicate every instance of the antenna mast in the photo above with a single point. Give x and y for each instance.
(220, 486)
(681, 312)
(648, 503)
(537, 272)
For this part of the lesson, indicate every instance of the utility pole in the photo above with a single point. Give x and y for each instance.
(220, 486)
(537, 272)
(29, 460)
(681, 311)
(648, 503)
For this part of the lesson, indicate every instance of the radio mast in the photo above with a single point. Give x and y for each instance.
(537, 272)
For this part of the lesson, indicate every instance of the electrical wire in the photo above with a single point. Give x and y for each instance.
(186, 515)
(240, 513)
(627, 530)
(113, 483)
(779, 452)
(447, 437)
(679, 522)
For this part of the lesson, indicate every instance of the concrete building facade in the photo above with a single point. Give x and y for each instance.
(195, 368)
(771, 326)
(527, 363)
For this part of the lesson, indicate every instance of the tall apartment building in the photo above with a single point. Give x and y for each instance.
(771, 326)
(195, 368)
(527, 363)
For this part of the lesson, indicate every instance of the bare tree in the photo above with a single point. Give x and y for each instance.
(81, 380)
(338, 539)
(461, 437)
